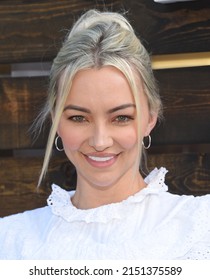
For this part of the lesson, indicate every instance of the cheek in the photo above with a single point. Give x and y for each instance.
(71, 143)
(72, 140)
(128, 139)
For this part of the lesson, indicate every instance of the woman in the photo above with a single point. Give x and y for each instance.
(104, 103)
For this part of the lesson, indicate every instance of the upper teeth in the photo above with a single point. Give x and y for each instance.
(100, 158)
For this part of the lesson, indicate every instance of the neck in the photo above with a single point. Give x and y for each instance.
(89, 196)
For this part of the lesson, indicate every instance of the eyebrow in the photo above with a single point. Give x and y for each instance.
(121, 107)
(77, 108)
(110, 111)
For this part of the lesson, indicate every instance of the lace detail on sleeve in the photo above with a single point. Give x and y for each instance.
(200, 251)
(199, 235)
(156, 180)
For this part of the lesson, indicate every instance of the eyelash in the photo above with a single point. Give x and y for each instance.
(77, 119)
(121, 119)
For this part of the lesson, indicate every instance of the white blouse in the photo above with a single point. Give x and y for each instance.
(152, 224)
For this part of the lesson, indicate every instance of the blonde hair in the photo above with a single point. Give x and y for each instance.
(97, 39)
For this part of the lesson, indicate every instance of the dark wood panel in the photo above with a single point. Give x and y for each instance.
(34, 30)
(185, 94)
(12, 204)
(20, 101)
(188, 174)
(186, 98)
(18, 182)
(18, 191)
(174, 28)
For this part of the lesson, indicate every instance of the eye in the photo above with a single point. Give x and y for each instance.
(77, 119)
(123, 119)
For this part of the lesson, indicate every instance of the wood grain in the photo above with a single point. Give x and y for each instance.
(19, 177)
(175, 28)
(34, 30)
(183, 60)
(188, 174)
(185, 94)
(21, 99)
(186, 98)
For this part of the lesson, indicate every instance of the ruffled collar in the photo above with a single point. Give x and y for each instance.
(60, 201)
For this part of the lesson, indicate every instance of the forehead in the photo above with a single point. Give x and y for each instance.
(105, 84)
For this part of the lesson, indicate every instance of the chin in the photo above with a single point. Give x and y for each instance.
(102, 182)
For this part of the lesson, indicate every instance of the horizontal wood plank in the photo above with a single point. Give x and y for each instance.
(186, 98)
(183, 60)
(19, 178)
(34, 30)
(185, 94)
(188, 174)
(21, 99)
(176, 28)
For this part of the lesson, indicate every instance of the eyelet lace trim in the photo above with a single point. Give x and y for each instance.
(61, 205)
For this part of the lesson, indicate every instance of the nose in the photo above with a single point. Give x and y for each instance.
(100, 138)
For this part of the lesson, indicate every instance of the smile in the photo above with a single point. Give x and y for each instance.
(101, 161)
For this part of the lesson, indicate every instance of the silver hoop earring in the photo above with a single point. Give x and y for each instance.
(56, 144)
(149, 143)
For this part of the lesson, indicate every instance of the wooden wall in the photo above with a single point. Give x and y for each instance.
(32, 31)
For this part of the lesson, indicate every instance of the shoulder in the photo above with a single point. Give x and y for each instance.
(16, 229)
(193, 208)
(176, 226)
(172, 204)
(26, 218)
(198, 212)
(188, 202)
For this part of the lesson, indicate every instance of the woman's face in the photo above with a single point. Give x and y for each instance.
(98, 126)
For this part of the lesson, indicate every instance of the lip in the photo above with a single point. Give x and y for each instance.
(101, 160)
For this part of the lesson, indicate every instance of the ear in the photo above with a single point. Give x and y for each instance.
(151, 124)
